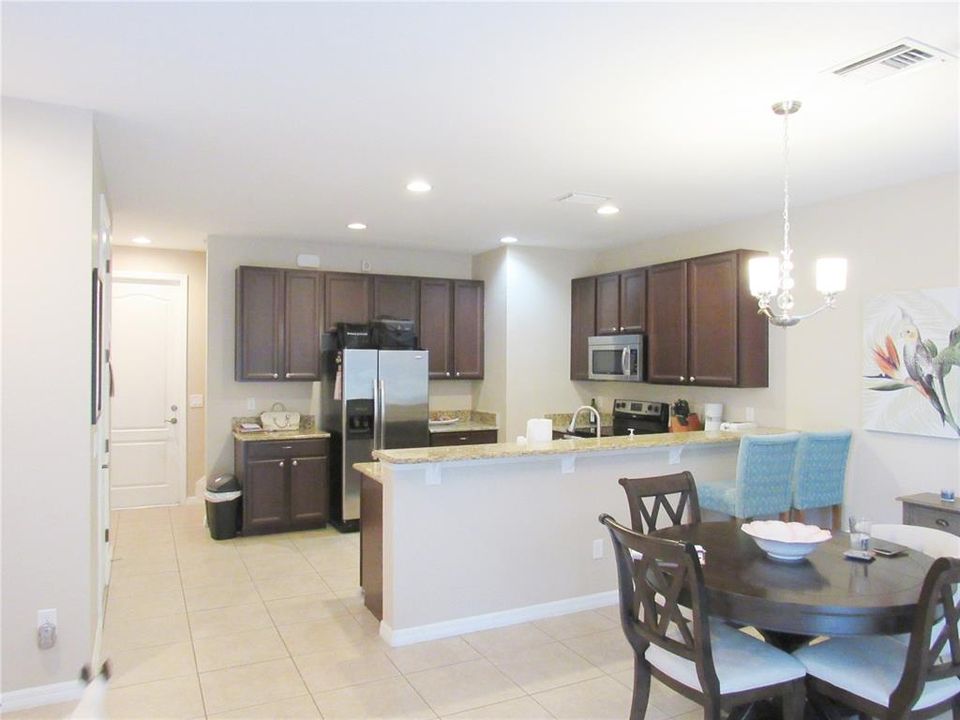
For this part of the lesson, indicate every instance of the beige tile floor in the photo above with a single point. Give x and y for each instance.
(273, 628)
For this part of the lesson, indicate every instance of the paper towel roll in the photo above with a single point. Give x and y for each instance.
(712, 416)
(539, 430)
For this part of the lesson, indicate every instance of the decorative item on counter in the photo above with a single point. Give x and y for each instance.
(279, 418)
(712, 416)
(539, 430)
(683, 420)
(948, 495)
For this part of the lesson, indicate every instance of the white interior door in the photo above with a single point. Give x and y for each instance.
(148, 418)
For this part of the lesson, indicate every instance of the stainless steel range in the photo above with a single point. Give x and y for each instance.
(642, 417)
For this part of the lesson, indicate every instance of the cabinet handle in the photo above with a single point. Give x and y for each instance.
(621, 328)
(942, 523)
(294, 463)
(692, 378)
(458, 373)
(275, 376)
(682, 378)
(281, 463)
(448, 373)
(462, 437)
(288, 374)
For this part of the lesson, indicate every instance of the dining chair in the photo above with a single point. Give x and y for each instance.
(717, 666)
(672, 494)
(929, 541)
(762, 484)
(819, 472)
(880, 677)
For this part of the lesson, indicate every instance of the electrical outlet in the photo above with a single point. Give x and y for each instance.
(196, 401)
(598, 549)
(750, 414)
(251, 403)
(47, 628)
(364, 266)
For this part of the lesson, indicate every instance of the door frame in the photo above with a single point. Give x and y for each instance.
(179, 280)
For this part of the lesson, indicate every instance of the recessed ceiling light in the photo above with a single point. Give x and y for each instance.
(356, 226)
(508, 240)
(608, 209)
(141, 240)
(418, 186)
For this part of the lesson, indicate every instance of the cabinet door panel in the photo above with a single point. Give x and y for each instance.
(259, 326)
(633, 301)
(713, 319)
(309, 499)
(467, 329)
(265, 507)
(583, 294)
(608, 304)
(347, 299)
(303, 323)
(436, 325)
(667, 323)
(396, 298)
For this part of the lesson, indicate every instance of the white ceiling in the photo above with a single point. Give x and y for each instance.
(291, 120)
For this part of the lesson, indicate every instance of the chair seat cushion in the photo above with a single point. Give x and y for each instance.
(869, 667)
(719, 497)
(742, 662)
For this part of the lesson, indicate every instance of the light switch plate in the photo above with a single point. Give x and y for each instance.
(196, 401)
(675, 453)
(251, 403)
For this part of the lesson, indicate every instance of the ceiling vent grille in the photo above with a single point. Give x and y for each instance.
(902, 56)
(579, 198)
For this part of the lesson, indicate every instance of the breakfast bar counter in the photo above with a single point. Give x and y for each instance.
(480, 536)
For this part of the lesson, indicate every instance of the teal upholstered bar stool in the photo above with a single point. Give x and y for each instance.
(819, 473)
(763, 482)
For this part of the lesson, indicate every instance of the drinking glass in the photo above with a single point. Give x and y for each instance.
(859, 532)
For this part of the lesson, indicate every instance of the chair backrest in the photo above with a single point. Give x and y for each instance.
(937, 657)
(652, 580)
(820, 469)
(672, 494)
(929, 541)
(764, 470)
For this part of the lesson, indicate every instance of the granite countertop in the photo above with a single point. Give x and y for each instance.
(467, 421)
(561, 447)
(370, 469)
(310, 434)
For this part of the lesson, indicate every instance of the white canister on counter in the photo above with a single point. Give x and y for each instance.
(712, 416)
(539, 430)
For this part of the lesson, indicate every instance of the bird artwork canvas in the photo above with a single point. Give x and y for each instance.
(911, 363)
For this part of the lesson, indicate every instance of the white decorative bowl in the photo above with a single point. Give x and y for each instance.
(788, 542)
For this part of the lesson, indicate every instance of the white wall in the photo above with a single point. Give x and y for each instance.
(226, 398)
(49, 494)
(898, 238)
(491, 394)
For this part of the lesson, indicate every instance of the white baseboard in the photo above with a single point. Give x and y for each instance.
(41, 695)
(473, 623)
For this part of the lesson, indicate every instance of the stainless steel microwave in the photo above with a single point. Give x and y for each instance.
(616, 357)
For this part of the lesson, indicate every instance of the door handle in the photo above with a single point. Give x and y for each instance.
(376, 416)
(172, 421)
(625, 361)
(383, 415)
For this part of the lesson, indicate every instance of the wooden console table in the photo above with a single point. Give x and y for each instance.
(928, 510)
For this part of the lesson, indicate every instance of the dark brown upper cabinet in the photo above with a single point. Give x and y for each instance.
(583, 324)
(278, 324)
(347, 299)
(703, 326)
(303, 320)
(259, 341)
(621, 302)
(436, 325)
(396, 298)
(468, 329)
(451, 327)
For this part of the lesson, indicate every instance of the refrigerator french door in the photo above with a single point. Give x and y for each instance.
(382, 403)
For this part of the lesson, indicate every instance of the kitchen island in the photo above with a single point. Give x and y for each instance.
(479, 536)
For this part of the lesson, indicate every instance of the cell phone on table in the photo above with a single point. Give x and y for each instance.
(889, 552)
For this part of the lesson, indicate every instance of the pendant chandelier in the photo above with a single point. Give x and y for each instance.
(771, 280)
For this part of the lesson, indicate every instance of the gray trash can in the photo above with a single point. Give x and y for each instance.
(223, 497)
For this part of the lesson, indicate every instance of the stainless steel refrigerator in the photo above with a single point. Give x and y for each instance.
(382, 402)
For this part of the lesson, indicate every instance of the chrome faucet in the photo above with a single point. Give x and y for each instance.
(573, 421)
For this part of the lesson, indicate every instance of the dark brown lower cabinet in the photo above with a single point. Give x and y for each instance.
(468, 437)
(285, 484)
(371, 545)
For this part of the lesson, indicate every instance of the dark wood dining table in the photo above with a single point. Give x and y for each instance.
(792, 602)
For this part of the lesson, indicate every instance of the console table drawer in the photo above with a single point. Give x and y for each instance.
(927, 510)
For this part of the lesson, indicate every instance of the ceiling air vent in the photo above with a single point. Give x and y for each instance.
(903, 55)
(578, 198)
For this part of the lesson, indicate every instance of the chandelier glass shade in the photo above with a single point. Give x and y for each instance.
(771, 278)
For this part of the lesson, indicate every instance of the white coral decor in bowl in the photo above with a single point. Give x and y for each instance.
(789, 541)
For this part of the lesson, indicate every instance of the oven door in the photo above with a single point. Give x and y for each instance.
(615, 358)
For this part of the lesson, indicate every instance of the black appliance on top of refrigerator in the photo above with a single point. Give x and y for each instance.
(379, 401)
